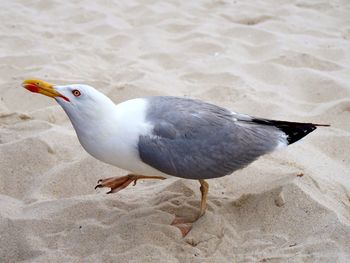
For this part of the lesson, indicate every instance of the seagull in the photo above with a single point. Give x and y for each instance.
(162, 136)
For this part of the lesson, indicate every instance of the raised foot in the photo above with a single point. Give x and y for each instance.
(118, 183)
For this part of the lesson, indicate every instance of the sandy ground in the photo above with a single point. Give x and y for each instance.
(285, 60)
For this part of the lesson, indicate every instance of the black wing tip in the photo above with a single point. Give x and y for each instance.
(294, 130)
(321, 125)
(297, 131)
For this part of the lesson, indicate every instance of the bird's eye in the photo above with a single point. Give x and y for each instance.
(76, 93)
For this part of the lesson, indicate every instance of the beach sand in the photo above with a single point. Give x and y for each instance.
(287, 60)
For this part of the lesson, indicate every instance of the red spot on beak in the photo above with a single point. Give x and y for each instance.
(31, 87)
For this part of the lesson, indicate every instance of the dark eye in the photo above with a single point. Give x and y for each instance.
(76, 93)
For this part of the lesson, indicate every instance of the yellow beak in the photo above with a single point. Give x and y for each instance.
(40, 86)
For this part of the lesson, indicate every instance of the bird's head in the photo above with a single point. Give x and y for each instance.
(80, 102)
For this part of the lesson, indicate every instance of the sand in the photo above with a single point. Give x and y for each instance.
(285, 60)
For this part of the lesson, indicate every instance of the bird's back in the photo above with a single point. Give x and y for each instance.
(196, 140)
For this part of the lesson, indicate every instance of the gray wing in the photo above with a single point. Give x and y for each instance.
(196, 140)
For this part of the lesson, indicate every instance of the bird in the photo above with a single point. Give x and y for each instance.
(158, 137)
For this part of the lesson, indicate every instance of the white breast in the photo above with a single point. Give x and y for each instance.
(115, 140)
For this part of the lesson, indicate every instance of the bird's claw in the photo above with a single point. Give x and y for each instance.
(98, 186)
(118, 183)
(115, 183)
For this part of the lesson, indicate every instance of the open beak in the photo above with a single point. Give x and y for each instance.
(40, 86)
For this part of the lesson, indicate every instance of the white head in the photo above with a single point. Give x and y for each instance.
(82, 103)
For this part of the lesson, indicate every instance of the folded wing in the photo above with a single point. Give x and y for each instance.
(196, 140)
